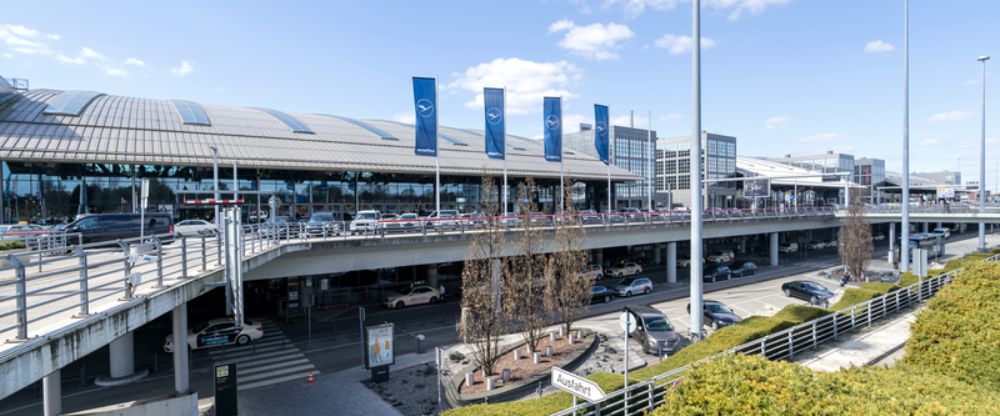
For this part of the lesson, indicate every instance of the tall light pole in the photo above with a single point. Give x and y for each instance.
(904, 246)
(982, 160)
(696, 266)
(215, 186)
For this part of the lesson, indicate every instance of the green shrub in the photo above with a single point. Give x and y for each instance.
(958, 334)
(753, 385)
(866, 292)
(11, 245)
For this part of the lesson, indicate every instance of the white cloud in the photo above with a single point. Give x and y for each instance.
(70, 60)
(24, 40)
(641, 121)
(957, 115)
(91, 54)
(878, 46)
(135, 62)
(527, 82)
(406, 117)
(736, 8)
(53, 36)
(594, 41)
(115, 72)
(822, 137)
(929, 142)
(571, 122)
(185, 68)
(677, 45)
(8, 55)
(670, 117)
(777, 121)
(635, 8)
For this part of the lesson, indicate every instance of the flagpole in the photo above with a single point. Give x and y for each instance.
(437, 152)
(607, 129)
(504, 150)
(652, 159)
(562, 166)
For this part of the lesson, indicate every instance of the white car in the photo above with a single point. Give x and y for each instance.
(878, 237)
(724, 256)
(365, 222)
(816, 245)
(789, 248)
(627, 269)
(634, 286)
(415, 296)
(219, 332)
(194, 228)
(592, 272)
(686, 263)
(944, 231)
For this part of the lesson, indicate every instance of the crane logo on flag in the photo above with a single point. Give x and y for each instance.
(601, 127)
(425, 108)
(552, 121)
(494, 115)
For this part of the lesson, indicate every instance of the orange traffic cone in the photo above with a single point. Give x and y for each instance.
(310, 379)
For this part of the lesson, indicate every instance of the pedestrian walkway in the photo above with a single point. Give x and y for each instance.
(865, 348)
(341, 393)
(270, 360)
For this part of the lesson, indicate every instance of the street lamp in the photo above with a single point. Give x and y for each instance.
(904, 260)
(697, 330)
(215, 186)
(982, 160)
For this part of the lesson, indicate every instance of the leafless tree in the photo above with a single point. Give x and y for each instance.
(855, 240)
(567, 288)
(525, 277)
(484, 318)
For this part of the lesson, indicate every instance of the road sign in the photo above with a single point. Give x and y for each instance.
(576, 385)
(627, 321)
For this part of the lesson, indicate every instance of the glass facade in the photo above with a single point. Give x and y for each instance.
(829, 162)
(32, 192)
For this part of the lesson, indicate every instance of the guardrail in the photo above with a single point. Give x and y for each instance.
(646, 395)
(932, 209)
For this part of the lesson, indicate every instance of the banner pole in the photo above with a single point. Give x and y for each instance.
(562, 167)
(505, 191)
(437, 152)
(652, 160)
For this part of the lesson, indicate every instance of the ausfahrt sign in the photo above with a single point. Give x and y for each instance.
(576, 385)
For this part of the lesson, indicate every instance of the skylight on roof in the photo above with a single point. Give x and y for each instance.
(292, 122)
(382, 134)
(191, 113)
(452, 140)
(71, 103)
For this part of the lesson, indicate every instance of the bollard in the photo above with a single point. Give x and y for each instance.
(420, 343)
(536, 358)
(468, 379)
(549, 351)
(561, 333)
(571, 339)
(552, 337)
(517, 354)
(490, 383)
(506, 376)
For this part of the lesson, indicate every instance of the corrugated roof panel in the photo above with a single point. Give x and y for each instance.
(382, 134)
(292, 122)
(191, 113)
(71, 103)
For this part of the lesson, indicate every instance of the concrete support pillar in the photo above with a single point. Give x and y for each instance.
(774, 249)
(926, 227)
(672, 262)
(123, 356)
(182, 380)
(599, 257)
(52, 394)
(892, 244)
(657, 254)
(432, 275)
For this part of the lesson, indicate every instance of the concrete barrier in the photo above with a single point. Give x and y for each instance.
(161, 406)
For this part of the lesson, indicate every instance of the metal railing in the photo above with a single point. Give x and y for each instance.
(932, 209)
(646, 395)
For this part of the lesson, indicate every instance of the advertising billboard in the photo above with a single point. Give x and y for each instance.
(756, 188)
(380, 346)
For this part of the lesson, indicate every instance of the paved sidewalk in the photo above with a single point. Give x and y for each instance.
(865, 348)
(340, 393)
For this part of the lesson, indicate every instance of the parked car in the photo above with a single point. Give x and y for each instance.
(626, 269)
(321, 224)
(366, 222)
(218, 332)
(20, 232)
(192, 228)
(593, 271)
(474, 220)
(743, 268)
(878, 237)
(717, 314)
(945, 232)
(634, 215)
(416, 296)
(789, 248)
(510, 220)
(653, 330)
(448, 220)
(402, 223)
(589, 216)
(614, 217)
(816, 245)
(279, 226)
(106, 227)
(809, 291)
(600, 293)
(634, 286)
(685, 262)
(717, 272)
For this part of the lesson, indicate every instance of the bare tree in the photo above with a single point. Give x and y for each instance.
(484, 318)
(525, 279)
(567, 288)
(855, 240)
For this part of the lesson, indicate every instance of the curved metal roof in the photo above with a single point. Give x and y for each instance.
(116, 129)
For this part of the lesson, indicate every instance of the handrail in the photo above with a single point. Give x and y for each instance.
(784, 344)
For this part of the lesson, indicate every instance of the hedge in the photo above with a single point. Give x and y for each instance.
(11, 245)
(753, 385)
(958, 334)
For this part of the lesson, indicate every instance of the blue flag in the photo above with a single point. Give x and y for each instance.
(601, 132)
(425, 104)
(496, 131)
(552, 115)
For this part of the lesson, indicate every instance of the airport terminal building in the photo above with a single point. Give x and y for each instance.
(70, 152)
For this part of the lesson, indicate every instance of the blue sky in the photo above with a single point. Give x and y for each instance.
(784, 76)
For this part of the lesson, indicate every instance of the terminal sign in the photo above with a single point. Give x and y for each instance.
(576, 385)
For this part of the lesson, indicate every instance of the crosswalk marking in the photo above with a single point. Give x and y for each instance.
(272, 359)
